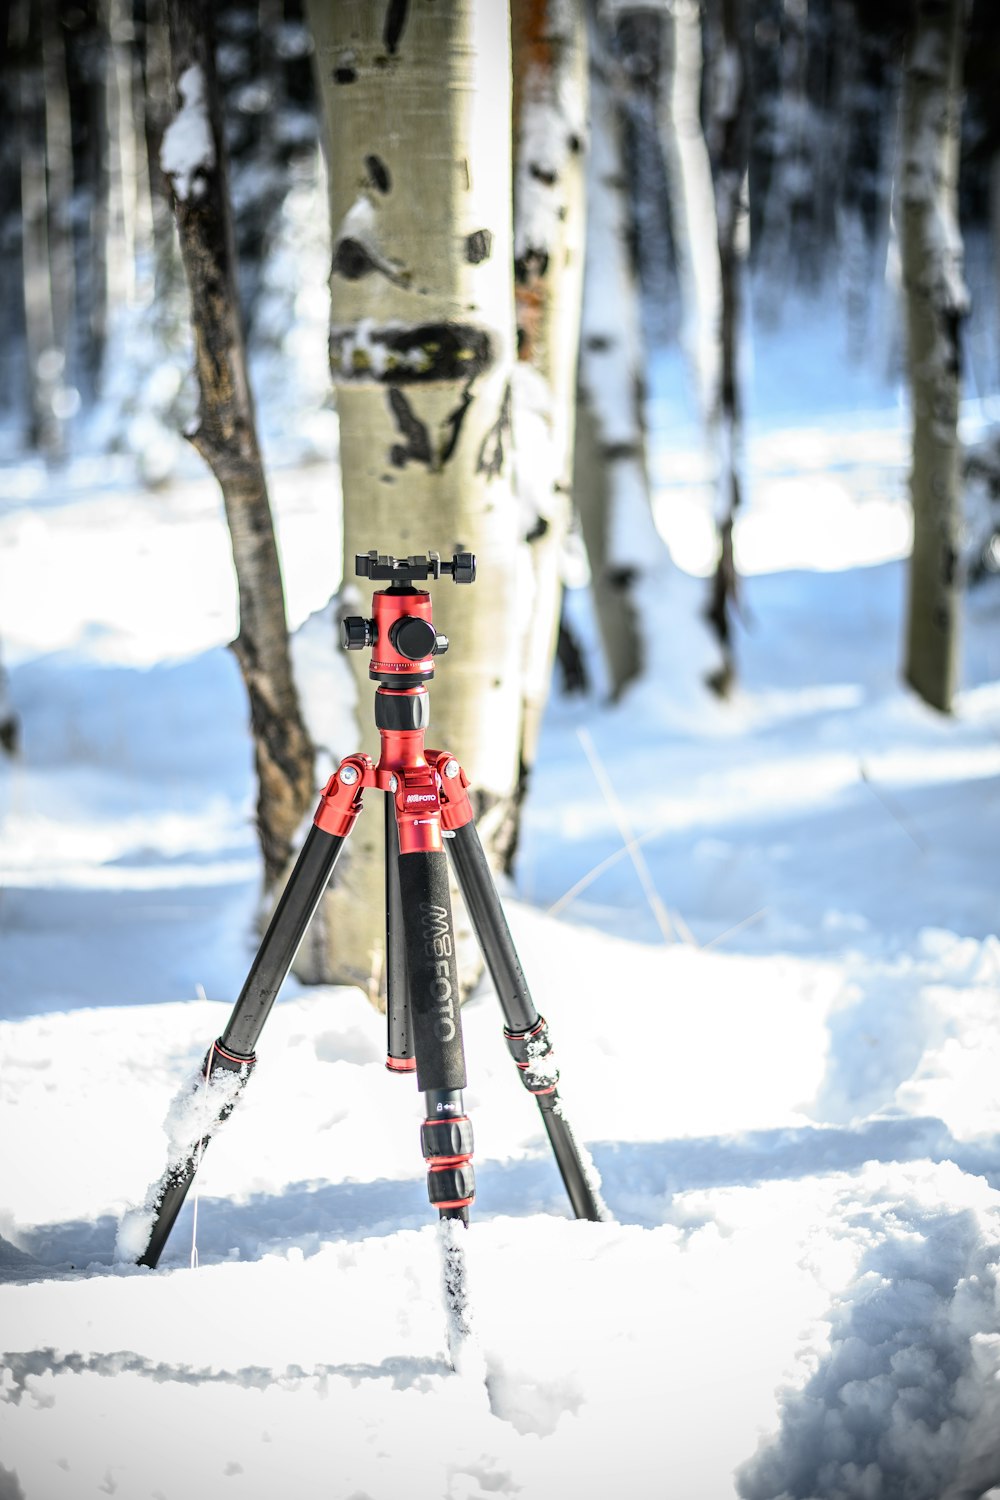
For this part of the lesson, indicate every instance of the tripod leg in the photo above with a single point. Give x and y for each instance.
(400, 1058)
(435, 1016)
(526, 1031)
(230, 1060)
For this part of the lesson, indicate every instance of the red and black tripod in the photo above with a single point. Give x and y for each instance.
(427, 809)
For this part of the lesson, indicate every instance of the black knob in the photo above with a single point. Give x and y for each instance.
(413, 637)
(356, 633)
(463, 567)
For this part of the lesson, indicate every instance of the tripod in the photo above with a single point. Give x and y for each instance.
(427, 809)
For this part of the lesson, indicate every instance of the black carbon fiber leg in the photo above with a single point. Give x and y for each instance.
(400, 1058)
(436, 1021)
(525, 1030)
(230, 1060)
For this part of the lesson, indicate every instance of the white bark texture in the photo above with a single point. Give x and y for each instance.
(550, 93)
(417, 101)
(936, 304)
(42, 112)
(124, 181)
(611, 484)
(692, 197)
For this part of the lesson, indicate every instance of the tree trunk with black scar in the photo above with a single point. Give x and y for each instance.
(550, 105)
(729, 142)
(936, 304)
(610, 479)
(226, 436)
(417, 105)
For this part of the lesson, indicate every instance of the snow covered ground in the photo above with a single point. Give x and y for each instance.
(791, 1094)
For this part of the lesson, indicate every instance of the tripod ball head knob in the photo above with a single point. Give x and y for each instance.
(415, 638)
(356, 633)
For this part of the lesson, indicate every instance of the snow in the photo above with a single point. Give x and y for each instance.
(187, 147)
(792, 1103)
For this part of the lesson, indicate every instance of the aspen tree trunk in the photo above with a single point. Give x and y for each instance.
(10, 732)
(59, 193)
(729, 142)
(862, 166)
(550, 109)
(154, 67)
(692, 197)
(611, 483)
(995, 224)
(46, 356)
(417, 104)
(193, 157)
(936, 304)
(790, 176)
(123, 182)
(707, 273)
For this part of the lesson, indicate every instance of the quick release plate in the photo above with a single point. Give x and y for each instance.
(402, 570)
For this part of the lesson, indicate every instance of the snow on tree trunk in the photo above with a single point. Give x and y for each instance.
(936, 304)
(729, 144)
(550, 86)
(611, 484)
(193, 159)
(417, 104)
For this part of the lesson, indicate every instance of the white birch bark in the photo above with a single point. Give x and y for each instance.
(705, 241)
(936, 304)
(417, 101)
(43, 260)
(59, 177)
(44, 359)
(692, 197)
(123, 182)
(550, 91)
(610, 479)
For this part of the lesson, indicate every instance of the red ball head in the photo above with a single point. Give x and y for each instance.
(405, 639)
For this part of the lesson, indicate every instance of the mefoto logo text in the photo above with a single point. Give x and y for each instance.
(437, 946)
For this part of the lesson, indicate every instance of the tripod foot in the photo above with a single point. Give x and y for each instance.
(194, 1117)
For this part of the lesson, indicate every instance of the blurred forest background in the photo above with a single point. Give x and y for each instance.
(88, 251)
(814, 125)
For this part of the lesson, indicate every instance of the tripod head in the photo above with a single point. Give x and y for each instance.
(401, 632)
